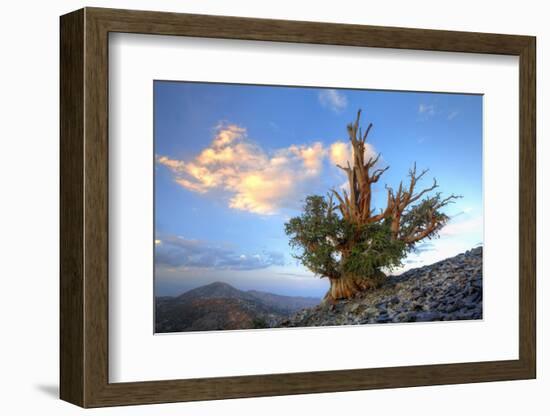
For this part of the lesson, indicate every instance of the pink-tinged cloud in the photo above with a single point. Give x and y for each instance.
(248, 177)
(255, 181)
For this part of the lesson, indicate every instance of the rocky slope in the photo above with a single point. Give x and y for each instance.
(445, 291)
(220, 306)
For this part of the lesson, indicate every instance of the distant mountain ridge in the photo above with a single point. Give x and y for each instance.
(214, 290)
(219, 306)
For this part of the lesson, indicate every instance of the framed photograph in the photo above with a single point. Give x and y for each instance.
(255, 207)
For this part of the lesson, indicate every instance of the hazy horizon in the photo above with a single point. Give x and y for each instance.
(172, 294)
(180, 287)
(234, 163)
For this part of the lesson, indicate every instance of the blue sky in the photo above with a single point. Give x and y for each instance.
(234, 162)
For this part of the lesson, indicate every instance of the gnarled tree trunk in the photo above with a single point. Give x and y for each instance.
(347, 287)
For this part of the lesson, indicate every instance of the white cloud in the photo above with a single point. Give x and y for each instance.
(458, 228)
(426, 110)
(333, 99)
(452, 115)
(340, 153)
(251, 179)
(459, 235)
(441, 249)
(430, 110)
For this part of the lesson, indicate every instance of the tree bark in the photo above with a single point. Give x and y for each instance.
(347, 287)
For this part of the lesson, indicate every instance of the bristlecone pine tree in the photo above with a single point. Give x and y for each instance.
(343, 238)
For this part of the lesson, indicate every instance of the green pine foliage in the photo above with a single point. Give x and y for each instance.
(331, 247)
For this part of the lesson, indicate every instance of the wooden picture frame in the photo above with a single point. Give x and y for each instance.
(84, 207)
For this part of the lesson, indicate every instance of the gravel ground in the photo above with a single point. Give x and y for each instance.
(445, 291)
